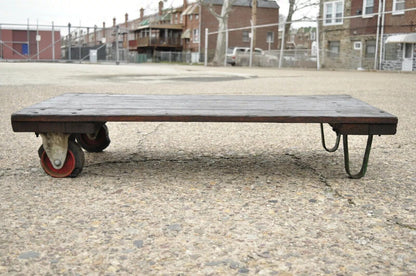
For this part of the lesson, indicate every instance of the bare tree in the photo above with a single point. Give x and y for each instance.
(296, 6)
(222, 27)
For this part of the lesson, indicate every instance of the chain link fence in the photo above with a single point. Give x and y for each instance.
(26, 42)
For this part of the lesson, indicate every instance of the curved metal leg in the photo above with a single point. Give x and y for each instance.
(334, 148)
(365, 160)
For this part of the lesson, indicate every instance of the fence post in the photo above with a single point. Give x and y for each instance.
(79, 44)
(69, 41)
(53, 42)
(117, 53)
(323, 47)
(282, 46)
(37, 40)
(1, 46)
(318, 64)
(206, 47)
(28, 39)
(226, 46)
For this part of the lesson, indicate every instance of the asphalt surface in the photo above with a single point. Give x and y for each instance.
(209, 198)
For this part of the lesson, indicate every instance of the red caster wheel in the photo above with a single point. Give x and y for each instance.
(74, 162)
(94, 144)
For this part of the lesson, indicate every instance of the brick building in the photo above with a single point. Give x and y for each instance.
(399, 51)
(362, 34)
(183, 28)
(302, 38)
(156, 32)
(30, 44)
(198, 18)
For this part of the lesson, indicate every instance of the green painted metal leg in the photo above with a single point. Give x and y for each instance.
(334, 148)
(365, 160)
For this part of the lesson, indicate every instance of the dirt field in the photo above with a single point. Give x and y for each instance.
(209, 198)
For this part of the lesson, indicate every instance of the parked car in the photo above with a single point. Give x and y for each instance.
(233, 52)
(257, 51)
(260, 58)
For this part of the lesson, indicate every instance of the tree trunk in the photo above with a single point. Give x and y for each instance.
(294, 7)
(219, 57)
(220, 48)
(289, 17)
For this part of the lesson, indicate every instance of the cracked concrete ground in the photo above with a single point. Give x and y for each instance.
(209, 198)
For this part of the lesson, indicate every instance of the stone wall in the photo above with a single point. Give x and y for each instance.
(393, 57)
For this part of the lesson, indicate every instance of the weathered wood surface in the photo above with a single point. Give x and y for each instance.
(77, 108)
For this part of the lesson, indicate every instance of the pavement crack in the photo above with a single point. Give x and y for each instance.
(298, 162)
(175, 160)
(154, 130)
(397, 222)
(145, 135)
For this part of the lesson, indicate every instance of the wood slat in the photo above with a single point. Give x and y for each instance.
(203, 108)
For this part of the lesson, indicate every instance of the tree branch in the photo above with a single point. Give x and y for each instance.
(299, 5)
(210, 6)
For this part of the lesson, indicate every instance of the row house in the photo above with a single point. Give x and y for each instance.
(301, 38)
(157, 32)
(183, 28)
(199, 18)
(103, 39)
(368, 34)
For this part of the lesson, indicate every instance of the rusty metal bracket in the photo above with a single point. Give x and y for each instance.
(335, 147)
(56, 148)
(94, 135)
(365, 159)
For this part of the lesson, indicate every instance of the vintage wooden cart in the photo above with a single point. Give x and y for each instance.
(71, 121)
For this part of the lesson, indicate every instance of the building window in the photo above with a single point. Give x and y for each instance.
(333, 48)
(368, 7)
(334, 11)
(370, 49)
(391, 51)
(398, 6)
(196, 35)
(246, 37)
(270, 37)
(190, 17)
(196, 16)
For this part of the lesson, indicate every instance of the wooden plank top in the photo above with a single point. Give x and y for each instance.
(204, 108)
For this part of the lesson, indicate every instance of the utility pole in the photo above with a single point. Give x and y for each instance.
(253, 30)
(254, 22)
